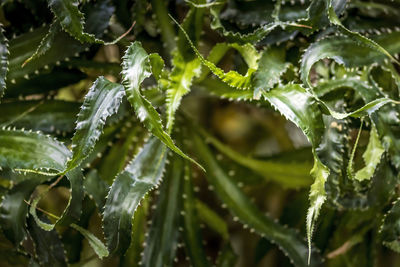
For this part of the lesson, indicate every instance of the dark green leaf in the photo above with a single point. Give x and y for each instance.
(128, 189)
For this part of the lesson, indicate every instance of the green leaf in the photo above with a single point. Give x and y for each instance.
(46, 43)
(331, 152)
(31, 151)
(50, 116)
(193, 25)
(362, 40)
(13, 208)
(367, 109)
(102, 101)
(390, 227)
(212, 219)
(179, 84)
(346, 51)
(249, 214)
(98, 247)
(129, 187)
(119, 153)
(72, 211)
(300, 107)
(48, 246)
(253, 37)
(271, 66)
(3, 61)
(372, 156)
(71, 19)
(290, 175)
(232, 78)
(317, 198)
(350, 169)
(136, 68)
(162, 240)
(96, 188)
(63, 48)
(192, 232)
(133, 254)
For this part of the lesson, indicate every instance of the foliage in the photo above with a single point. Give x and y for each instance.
(199, 118)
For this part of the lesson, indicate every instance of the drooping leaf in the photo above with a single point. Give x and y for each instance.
(300, 107)
(317, 197)
(162, 241)
(232, 78)
(102, 101)
(63, 47)
(129, 187)
(72, 211)
(179, 85)
(249, 214)
(71, 19)
(136, 68)
(362, 40)
(47, 41)
(371, 156)
(346, 51)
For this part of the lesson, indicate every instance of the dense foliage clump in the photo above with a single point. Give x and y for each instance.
(177, 133)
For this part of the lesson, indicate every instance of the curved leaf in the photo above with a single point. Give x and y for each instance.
(129, 187)
(179, 85)
(300, 107)
(46, 43)
(13, 208)
(371, 156)
(102, 101)
(135, 68)
(346, 51)
(72, 211)
(232, 78)
(31, 151)
(71, 19)
(271, 66)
